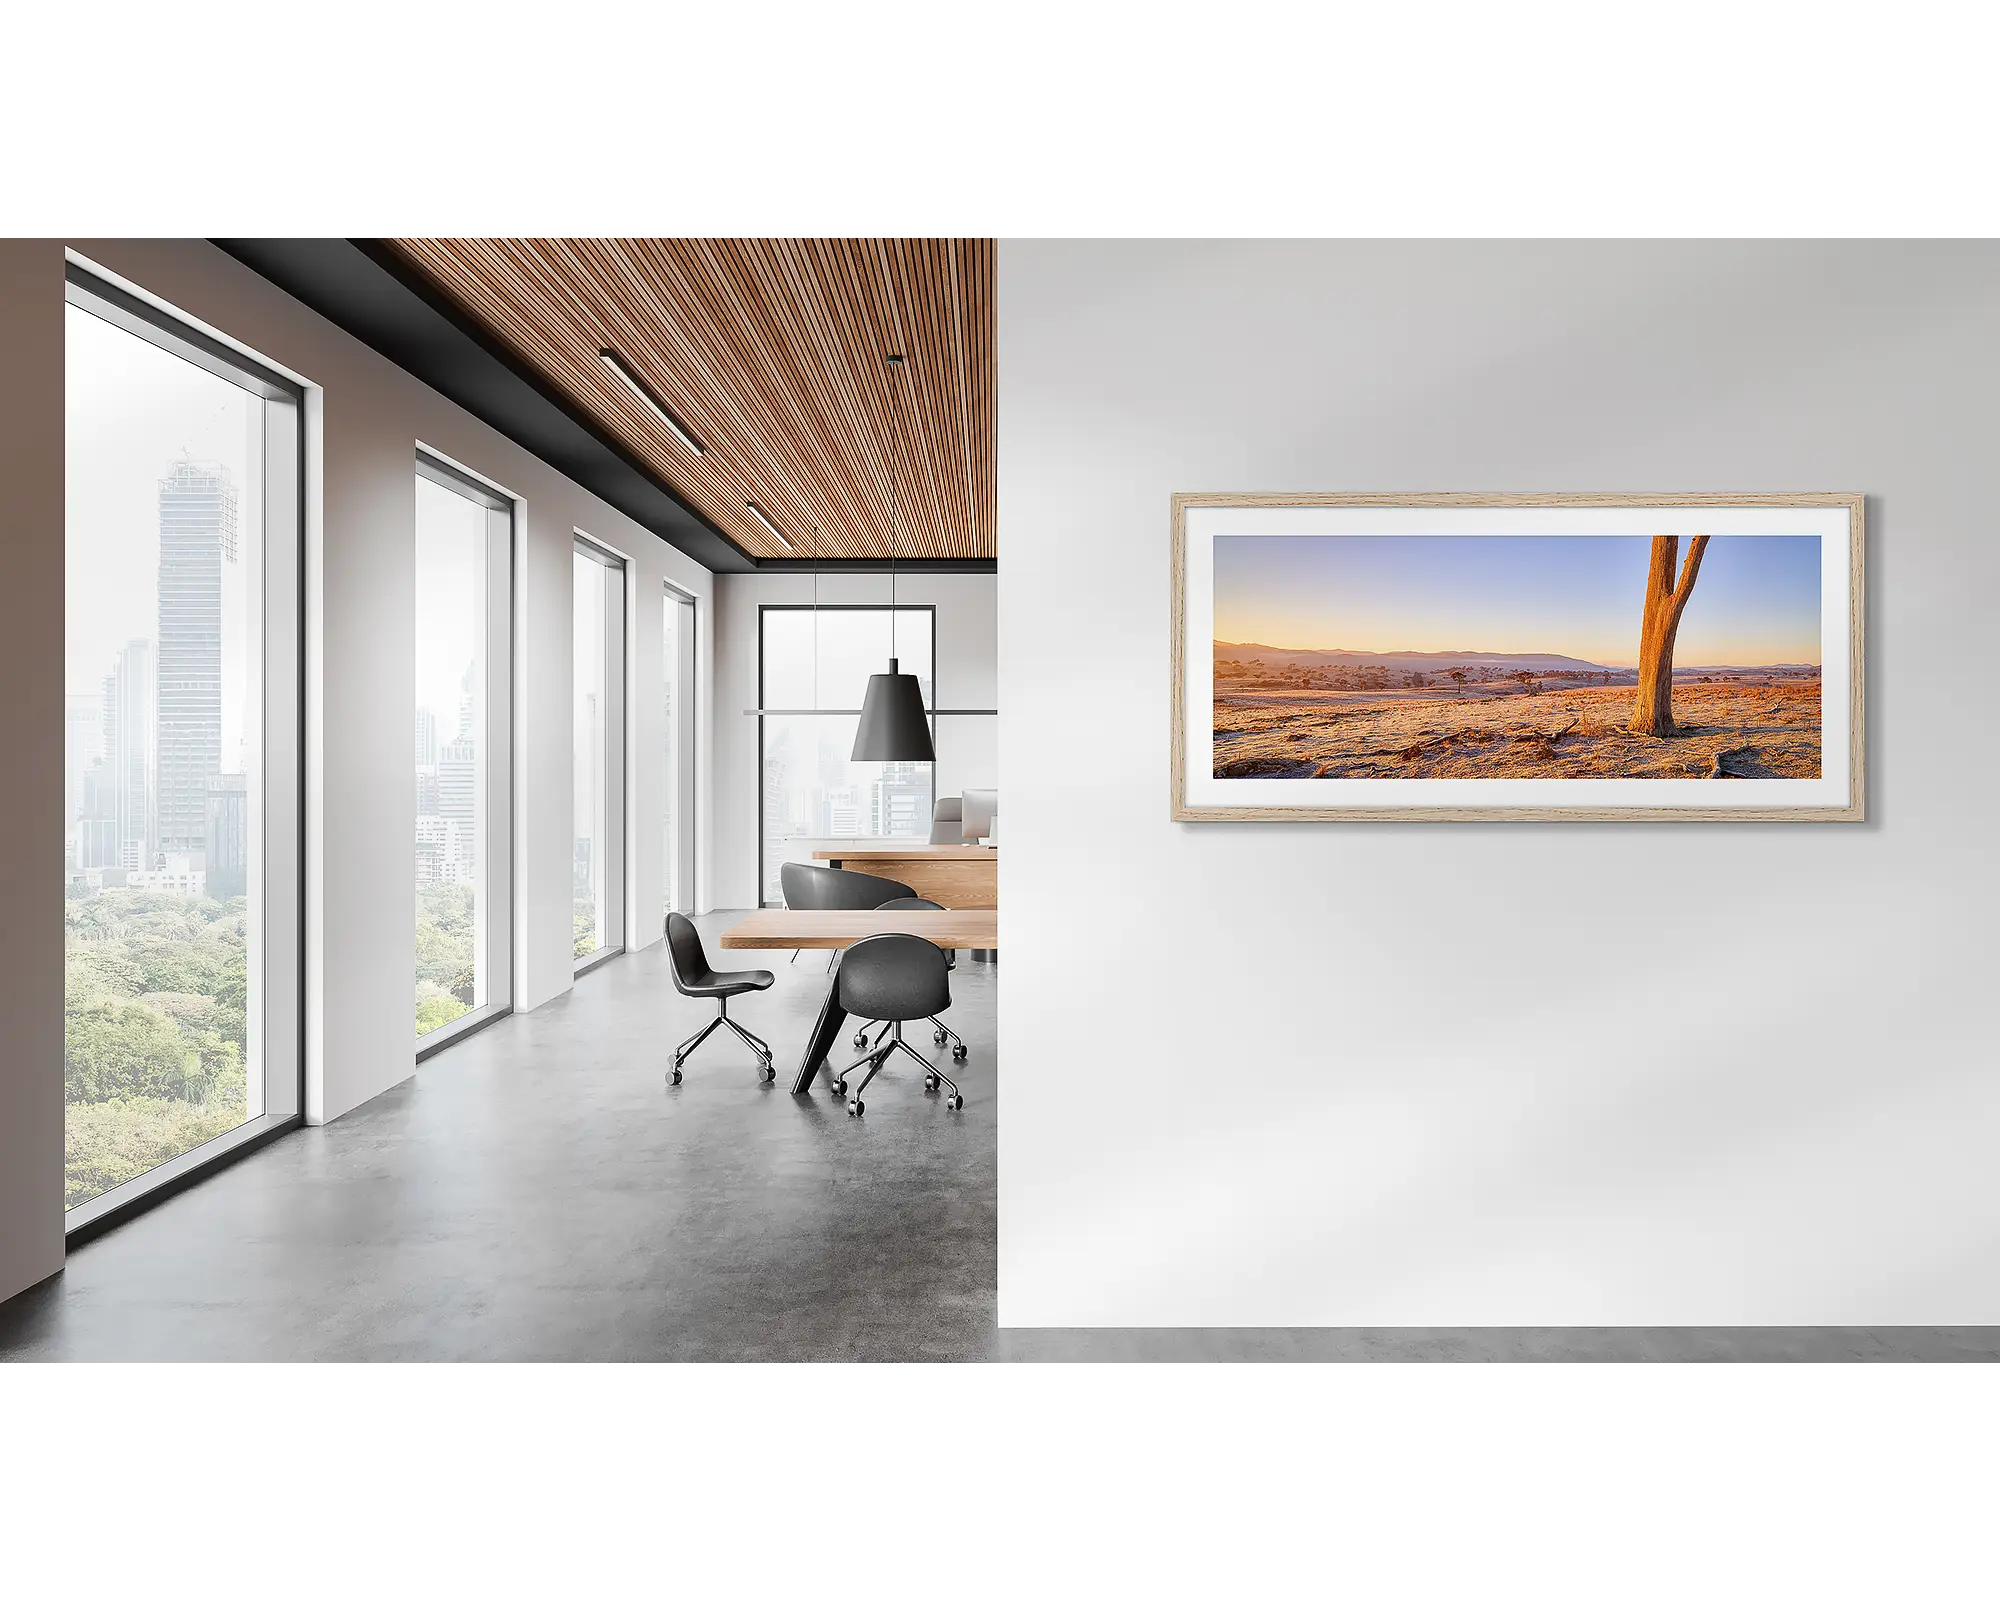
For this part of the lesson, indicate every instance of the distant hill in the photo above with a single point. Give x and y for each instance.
(1407, 660)
(1775, 666)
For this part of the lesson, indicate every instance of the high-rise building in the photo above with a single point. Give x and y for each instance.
(228, 840)
(427, 737)
(197, 535)
(433, 850)
(465, 703)
(83, 748)
(129, 741)
(899, 800)
(458, 799)
(96, 832)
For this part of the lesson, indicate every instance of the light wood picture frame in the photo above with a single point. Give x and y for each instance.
(1348, 721)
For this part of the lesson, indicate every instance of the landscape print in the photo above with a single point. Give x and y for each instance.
(1343, 656)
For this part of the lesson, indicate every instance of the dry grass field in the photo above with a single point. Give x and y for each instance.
(1752, 727)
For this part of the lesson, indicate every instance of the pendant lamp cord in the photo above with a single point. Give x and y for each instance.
(895, 459)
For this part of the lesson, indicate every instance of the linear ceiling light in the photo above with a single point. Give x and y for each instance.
(751, 507)
(612, 359)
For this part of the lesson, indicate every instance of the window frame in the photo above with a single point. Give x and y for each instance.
(496, 792)
(275, 699)
(764, 712)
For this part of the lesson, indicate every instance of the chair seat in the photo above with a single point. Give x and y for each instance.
(721, 985)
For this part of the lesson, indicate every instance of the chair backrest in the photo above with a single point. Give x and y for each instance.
(893, 977)
(918, 903)
(684, 947)
(835, 889)
(976, 820)
(946, 818)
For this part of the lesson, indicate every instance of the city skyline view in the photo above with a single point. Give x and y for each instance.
(163, 535)
(132, 411)
(448, 739)
(156, 619)
(821, 659)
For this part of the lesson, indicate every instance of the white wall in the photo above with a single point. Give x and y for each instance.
(361, 616)
(967, 746)
(1529, 1074)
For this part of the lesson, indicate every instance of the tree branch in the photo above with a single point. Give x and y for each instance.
(1690, 569)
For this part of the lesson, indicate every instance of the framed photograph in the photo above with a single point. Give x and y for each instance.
(1433, 657)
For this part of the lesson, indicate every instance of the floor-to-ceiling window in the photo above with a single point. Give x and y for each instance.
(677, 803)
(182, 919)
(813, 669)
(463, 841)
(598, 729)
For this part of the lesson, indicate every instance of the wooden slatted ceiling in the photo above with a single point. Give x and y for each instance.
(771, 352)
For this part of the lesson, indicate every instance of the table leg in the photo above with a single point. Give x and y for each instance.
(832, 1023)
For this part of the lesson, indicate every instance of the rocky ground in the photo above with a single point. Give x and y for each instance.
(1728, 730)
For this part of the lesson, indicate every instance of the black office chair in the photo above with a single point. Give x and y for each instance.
(694, 977)
(940, 1034)
(836, 889)
(893, 978)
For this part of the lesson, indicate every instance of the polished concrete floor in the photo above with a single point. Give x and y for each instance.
(537, 1192)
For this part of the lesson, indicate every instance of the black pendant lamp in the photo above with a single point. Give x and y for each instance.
(894, 725)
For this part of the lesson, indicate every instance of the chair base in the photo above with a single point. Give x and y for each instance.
(877, 1058)
(940, 1035)
(723, 1019)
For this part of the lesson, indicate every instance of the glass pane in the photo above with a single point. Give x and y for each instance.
(587, 726)
(822, 660)
(598, 723)
(812, 791)
(451, 763)
(670, 805)
(163, 773)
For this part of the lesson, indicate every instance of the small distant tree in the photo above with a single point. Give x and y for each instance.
(1457, 676)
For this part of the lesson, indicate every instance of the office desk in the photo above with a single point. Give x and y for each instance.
(836, 930)
(962, 876)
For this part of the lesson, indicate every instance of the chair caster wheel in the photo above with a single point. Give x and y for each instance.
(861, 1041)
(958, 1052)
(855, 1108)
(930, 1082)
(770, 1073)
(939, 1037)
(674, 1076)
(955, 1103)
(839, 1086)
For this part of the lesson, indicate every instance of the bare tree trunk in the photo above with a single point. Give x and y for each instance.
(1653, 704)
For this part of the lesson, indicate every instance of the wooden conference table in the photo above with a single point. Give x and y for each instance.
(836, 930)
(962, 876)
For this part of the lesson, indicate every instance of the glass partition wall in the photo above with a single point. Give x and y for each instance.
(183, 841)
(813, 669)
(464, 877)
(598, 730)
